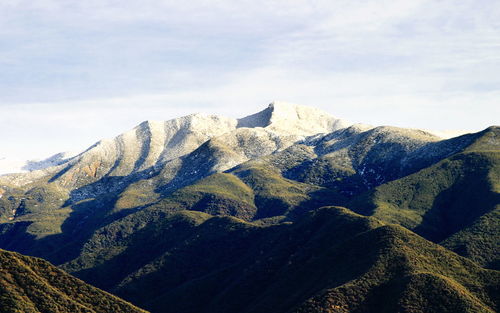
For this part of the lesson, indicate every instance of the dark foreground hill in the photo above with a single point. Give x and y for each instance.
(30, 284)
(332, 260)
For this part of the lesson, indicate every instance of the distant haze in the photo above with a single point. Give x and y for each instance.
(72, 73)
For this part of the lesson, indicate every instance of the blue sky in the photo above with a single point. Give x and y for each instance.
(72, 72)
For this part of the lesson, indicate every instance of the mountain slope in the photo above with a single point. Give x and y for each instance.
(32, 285)
(252, 194)
(330, 258)
(356, 159)
(296, 119)
(455, 201)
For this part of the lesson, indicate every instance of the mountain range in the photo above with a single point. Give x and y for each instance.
(286, 210)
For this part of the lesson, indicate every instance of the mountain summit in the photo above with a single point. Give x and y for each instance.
(294, 119)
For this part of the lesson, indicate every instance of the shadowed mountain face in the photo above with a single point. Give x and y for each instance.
(211, 214)
(330, 258)
(30, 284)
(455, 202)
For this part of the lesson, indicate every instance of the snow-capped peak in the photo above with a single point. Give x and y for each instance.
(294, 119)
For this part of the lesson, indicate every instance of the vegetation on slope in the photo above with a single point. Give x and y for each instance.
(30, 284)
(219, 194)
(331, 258)
(276, 195)
(455, 202)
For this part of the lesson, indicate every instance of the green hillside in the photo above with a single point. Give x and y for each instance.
(265, 194)
(331, 258)
(30, 284)
(455, 201)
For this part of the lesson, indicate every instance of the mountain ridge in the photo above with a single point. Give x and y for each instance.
(155, 142)
(174, 185)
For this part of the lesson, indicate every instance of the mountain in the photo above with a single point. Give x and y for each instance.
(150, 165)
(187, 214)
(330, 259)
(153, 143)
(30, 284)
(156, 158)
(455, 202)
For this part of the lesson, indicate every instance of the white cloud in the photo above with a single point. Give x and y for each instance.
(75, 71)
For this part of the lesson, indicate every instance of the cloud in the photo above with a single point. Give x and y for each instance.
(76, 71)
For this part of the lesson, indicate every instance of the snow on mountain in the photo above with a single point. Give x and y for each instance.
(153, 143)
(54, 160)
(178, 151)
(293, 119)
(299, 119)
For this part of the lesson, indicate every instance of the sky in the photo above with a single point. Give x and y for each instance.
(73, 72)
